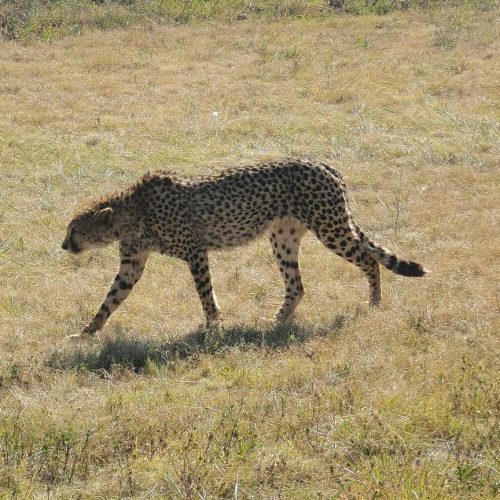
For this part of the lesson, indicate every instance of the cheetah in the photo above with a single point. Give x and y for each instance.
(186, 217)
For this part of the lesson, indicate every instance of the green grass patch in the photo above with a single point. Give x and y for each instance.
(47, 20)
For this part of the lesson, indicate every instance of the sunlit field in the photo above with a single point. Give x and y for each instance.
(348, 401)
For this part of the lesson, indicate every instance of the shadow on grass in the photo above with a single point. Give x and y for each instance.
(136, 354)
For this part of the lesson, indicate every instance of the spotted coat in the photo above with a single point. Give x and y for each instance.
(188, 217)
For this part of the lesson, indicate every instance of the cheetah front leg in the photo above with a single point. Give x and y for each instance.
(131, 269)
(198, 265)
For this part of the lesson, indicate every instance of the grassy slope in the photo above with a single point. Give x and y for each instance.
(400, 401)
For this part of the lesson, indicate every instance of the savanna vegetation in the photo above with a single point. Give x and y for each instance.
(50, 19)
(346, 402)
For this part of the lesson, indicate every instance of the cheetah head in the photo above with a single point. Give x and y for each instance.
(91, 229)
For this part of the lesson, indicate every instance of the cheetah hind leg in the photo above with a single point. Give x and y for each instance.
(285, 240)
(345, 244)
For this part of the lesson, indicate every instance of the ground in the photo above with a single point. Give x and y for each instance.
(349, 402)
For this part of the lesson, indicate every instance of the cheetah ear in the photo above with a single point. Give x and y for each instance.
(105, 216)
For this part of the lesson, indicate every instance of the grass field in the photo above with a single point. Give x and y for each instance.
(348, 402)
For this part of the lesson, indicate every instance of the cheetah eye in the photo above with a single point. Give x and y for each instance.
(78, 231)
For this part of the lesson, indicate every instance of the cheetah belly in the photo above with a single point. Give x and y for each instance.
(236, 231)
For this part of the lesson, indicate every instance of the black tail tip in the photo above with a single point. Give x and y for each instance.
(408, 268)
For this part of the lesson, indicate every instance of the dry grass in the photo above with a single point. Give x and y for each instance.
(399, 402)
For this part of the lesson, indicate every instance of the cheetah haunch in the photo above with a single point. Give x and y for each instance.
(187, 217)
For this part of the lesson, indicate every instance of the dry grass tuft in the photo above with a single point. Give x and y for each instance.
(399, 402)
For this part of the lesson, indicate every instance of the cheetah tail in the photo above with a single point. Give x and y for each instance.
(389, 260)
